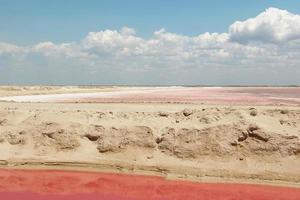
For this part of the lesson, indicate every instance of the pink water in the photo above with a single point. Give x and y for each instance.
(208, 95)
(70, 185)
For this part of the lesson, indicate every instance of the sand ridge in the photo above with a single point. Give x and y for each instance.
(243, 142)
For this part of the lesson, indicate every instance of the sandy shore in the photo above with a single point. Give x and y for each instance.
(189, 141)
(7, 90)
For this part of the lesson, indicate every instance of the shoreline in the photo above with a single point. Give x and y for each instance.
(107, 169)
(198, 95)
(181, 141)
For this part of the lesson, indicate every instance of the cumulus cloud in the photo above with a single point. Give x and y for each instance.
(273, 25)
(6, 48)
(113, 42)
(270, 42)
(64, 50)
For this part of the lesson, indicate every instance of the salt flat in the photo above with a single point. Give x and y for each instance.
(206, 95)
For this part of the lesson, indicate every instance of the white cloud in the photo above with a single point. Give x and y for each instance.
(65, 50)
(273, 25)
(6, 48)
(127, 31)
(211, 40)
(269, 41)
(113, 42)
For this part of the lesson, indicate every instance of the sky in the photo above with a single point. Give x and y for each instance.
(157, 42)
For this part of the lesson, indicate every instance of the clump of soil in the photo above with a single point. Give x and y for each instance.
(253, 112)
(284, 111)
(15, 138)
(58, 138)
(194, 143)
(116, 139)
(95, 132)
(187, 112)
(163, 114)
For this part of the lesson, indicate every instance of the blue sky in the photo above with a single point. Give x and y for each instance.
(32, 21)
(218, 42)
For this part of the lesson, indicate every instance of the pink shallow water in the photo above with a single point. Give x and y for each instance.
(213, 95)
(67, 185)
(208, 95)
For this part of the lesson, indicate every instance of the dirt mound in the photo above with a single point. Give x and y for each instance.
(116, 139)
(51, 136)
(15, 138)
(61, 139)
(95, 132)
(225, 141)
(194, 143)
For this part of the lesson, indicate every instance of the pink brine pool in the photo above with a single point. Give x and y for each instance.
(210, 95)
(71, 185)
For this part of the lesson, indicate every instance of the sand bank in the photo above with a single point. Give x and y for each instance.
(256, 143)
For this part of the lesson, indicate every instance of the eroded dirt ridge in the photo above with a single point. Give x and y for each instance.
(191, 134)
